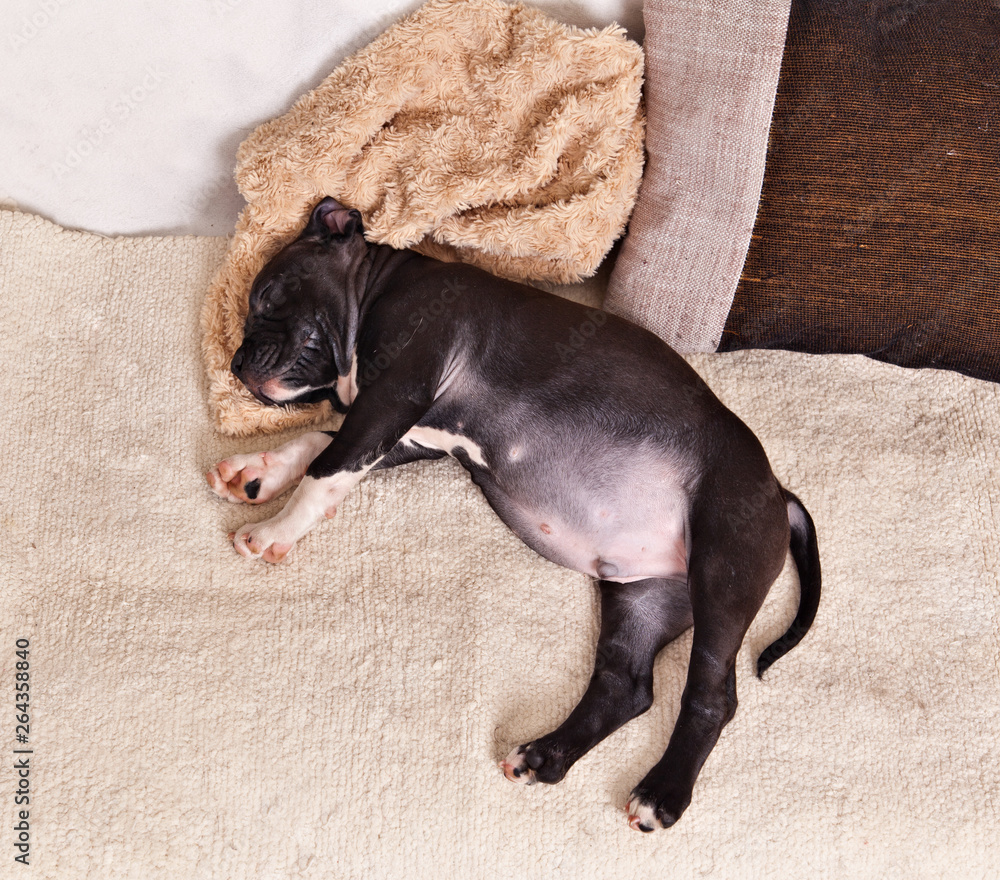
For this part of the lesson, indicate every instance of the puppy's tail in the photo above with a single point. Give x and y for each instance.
(805, 552)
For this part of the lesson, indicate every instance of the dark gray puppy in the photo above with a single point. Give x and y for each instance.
(590, 437)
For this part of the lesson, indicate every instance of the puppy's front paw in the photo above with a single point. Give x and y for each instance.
(252, 479)
(262, 541)
(261, 476)
(272, 539)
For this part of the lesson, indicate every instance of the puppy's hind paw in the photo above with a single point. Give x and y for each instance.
(540, 761)
(641, 815)
(646, 814)
(515, 767)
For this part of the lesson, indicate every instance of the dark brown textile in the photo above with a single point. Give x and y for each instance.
(878, 230)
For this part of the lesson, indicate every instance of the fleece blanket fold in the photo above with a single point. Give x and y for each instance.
(472, 130)
(196, 715)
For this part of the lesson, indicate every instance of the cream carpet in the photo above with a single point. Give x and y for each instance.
(196, 715)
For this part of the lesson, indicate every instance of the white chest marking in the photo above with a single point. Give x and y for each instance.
(445, 441)
(347, 386)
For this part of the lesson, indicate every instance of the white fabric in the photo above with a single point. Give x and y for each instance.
(196, 715)
(125, 117)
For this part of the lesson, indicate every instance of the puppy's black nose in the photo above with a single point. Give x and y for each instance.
(237, 363)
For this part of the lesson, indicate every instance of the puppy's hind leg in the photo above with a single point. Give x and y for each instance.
(637, 620)
(734, 561)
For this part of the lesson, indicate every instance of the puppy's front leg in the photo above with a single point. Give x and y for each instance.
(313, 499)
(375, 423)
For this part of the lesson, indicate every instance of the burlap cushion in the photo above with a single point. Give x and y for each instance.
(711, 73)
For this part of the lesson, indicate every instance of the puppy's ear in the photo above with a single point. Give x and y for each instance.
(331, 220)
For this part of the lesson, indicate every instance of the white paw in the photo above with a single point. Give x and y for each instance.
(641, 815)
(252, 479)
(515, 767)
(264, 540)
(272, 539)
(261, 476)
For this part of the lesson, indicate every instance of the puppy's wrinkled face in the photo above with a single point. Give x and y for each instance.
(301, 322)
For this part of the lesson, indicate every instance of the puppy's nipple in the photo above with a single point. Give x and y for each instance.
(606, 569)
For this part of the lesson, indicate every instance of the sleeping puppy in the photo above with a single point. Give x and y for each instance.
(590, 438)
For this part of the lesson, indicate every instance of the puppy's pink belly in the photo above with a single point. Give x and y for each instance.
(620, 556)
(620, 517)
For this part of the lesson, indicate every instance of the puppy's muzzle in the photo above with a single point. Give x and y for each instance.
(257, 362)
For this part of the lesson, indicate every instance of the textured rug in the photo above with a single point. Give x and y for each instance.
(196, 715)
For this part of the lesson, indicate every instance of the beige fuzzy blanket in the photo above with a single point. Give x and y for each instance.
(196, 715)
(472, 130)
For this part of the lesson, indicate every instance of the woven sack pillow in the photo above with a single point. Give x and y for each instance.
(878, 230)
(879, 225)
(711, 73)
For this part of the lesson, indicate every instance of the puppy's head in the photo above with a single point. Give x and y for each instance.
(298, 340)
